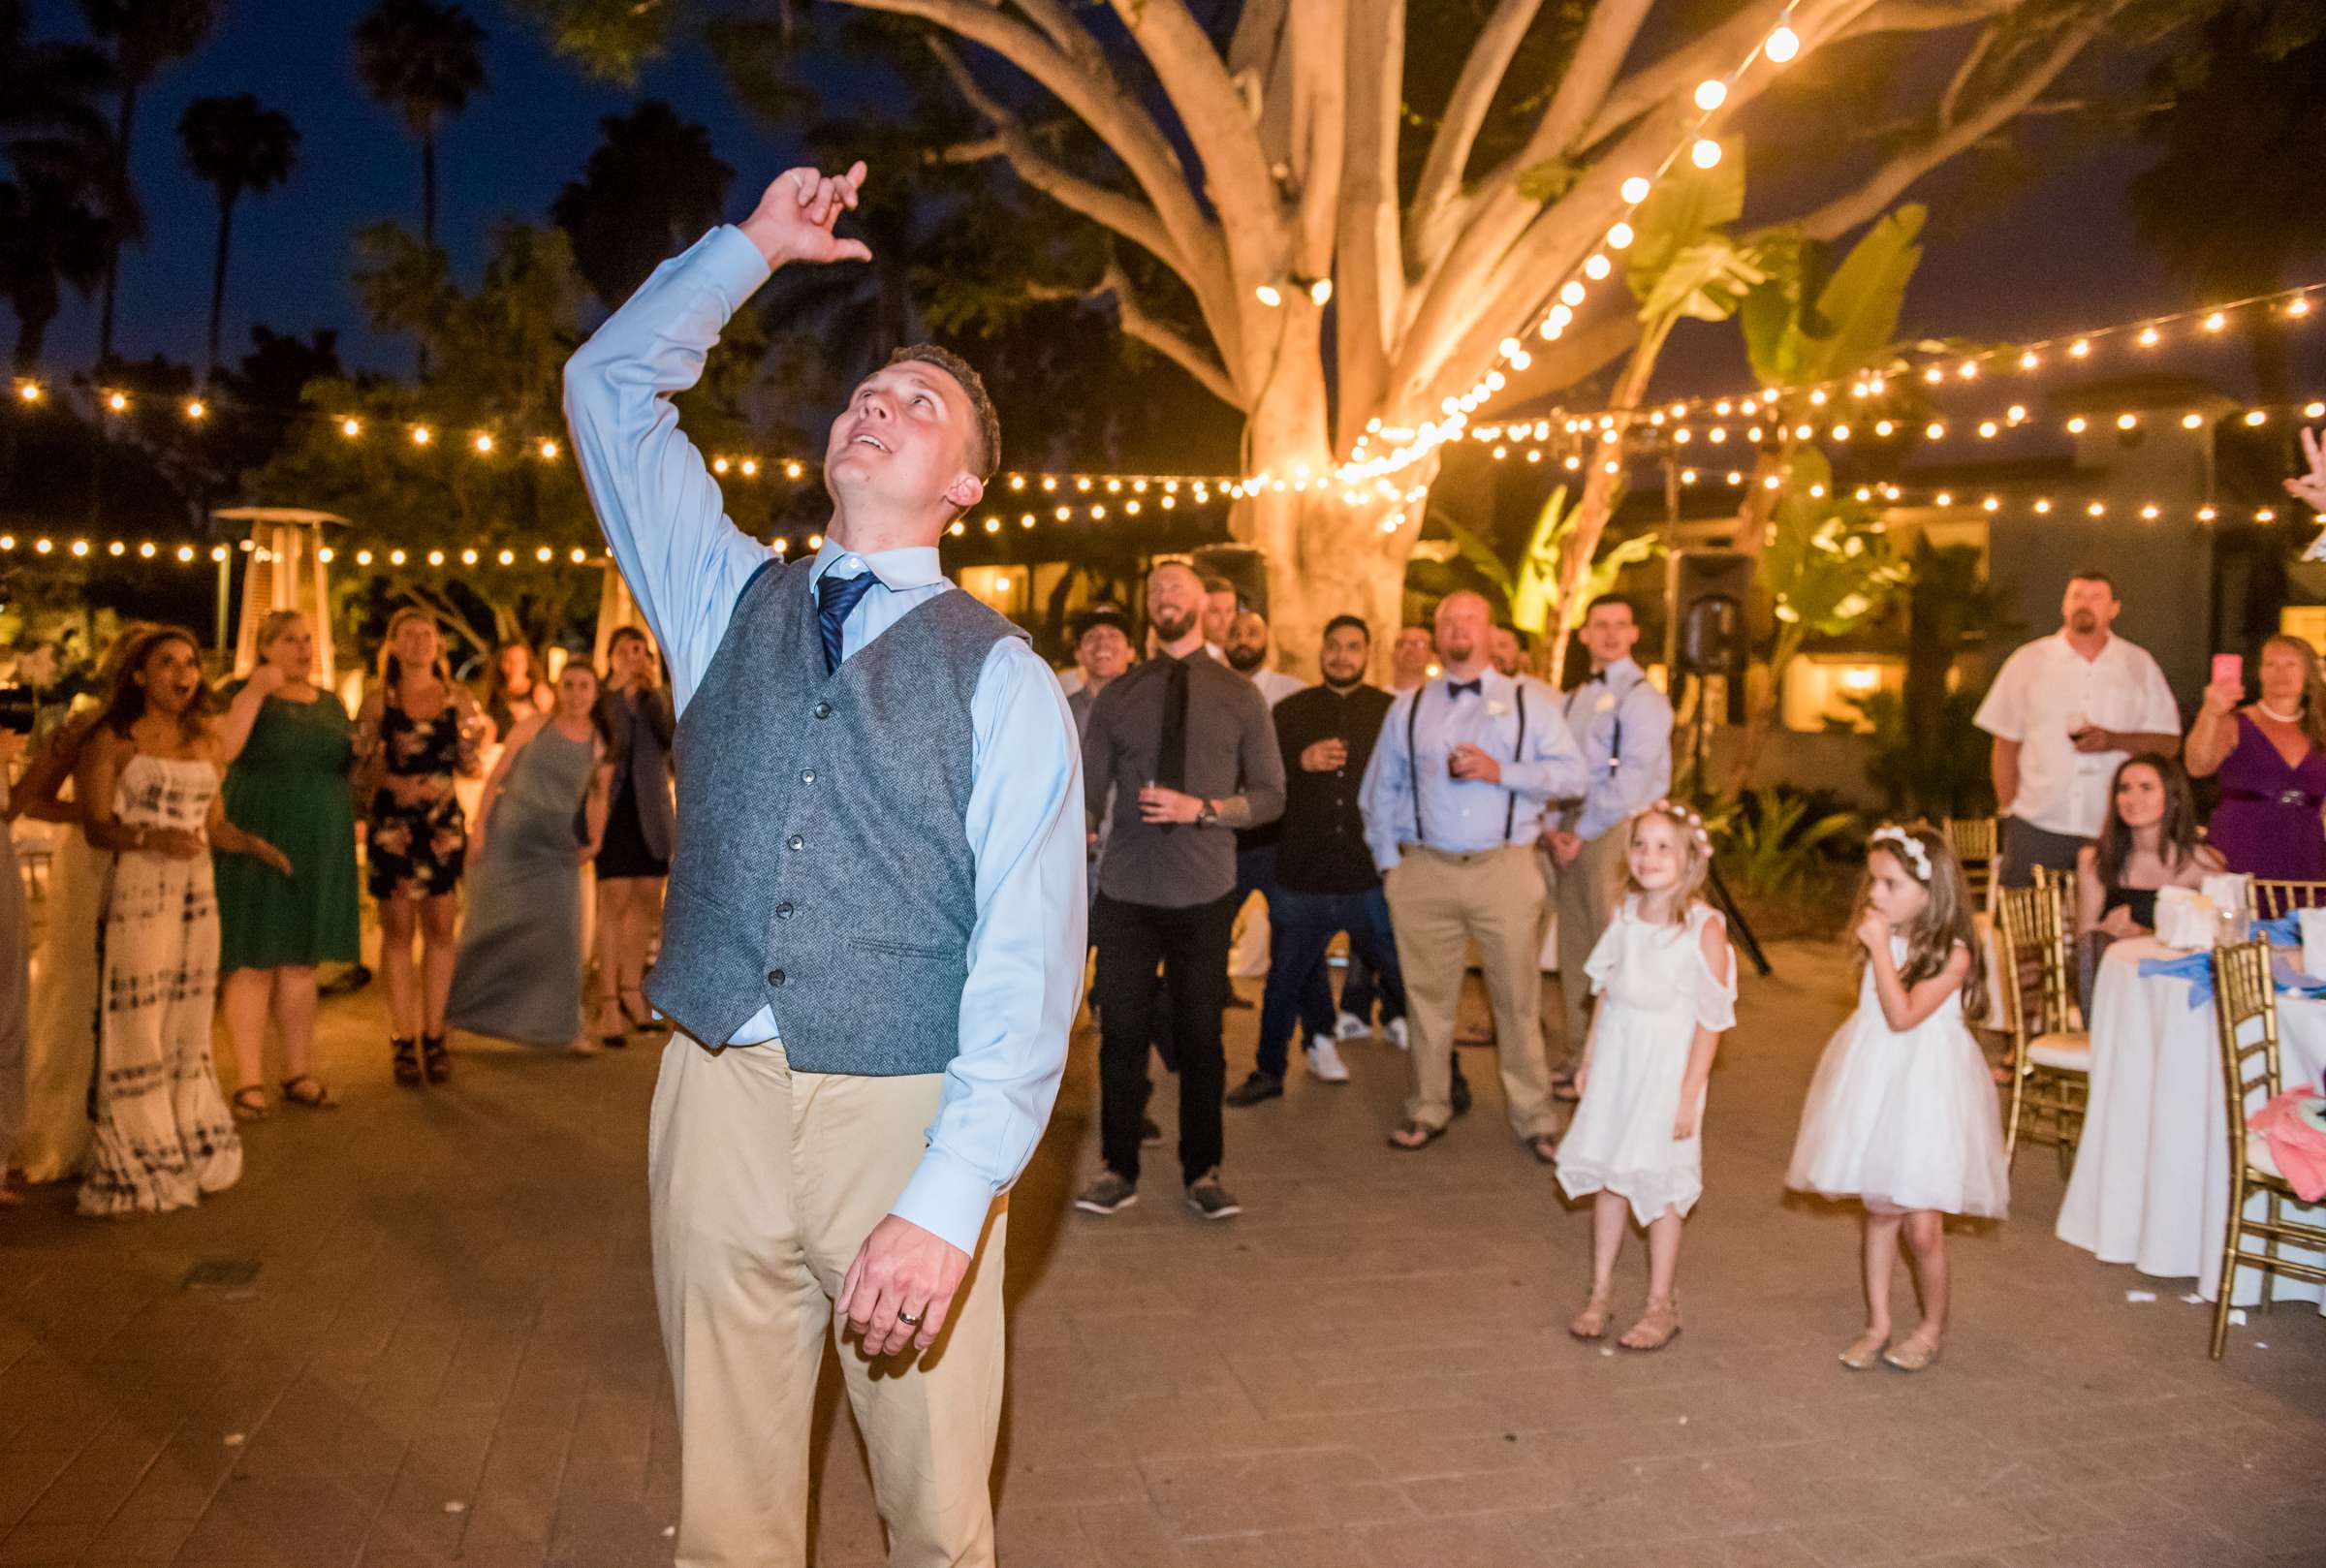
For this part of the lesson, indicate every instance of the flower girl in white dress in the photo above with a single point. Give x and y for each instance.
(1667, 987)
(1902, 1114)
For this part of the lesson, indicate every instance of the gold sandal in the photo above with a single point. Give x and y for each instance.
(1591, 1321)
(1865, 1351)
(1658, 1327)
(1912, 1354)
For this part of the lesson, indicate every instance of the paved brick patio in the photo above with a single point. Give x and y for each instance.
(449, 1356)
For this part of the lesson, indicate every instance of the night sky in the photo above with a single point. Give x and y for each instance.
(2059, 255)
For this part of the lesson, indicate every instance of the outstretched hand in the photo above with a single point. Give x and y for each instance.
(795, 217)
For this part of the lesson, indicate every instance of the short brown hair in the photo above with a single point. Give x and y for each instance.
(986, 456)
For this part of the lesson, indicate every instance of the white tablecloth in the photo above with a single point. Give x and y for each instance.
(2151, 1186)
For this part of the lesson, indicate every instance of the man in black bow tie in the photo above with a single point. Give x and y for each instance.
(1452, 802)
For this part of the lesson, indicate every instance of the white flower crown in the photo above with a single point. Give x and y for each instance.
(1909, 845)
(1685, 817)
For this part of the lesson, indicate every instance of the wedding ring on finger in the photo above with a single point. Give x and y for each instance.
(907, 1318)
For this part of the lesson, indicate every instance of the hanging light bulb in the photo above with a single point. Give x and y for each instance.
(1620, 236)
(1595, 266)
(1320, 293)
(1705, 154)
(1711, 93)
(1269, 295)
(196, 409)
(1782, 45)
(1634, 190)
(1570, 292)
(351, 428)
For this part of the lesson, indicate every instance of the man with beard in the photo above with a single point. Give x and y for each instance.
(1182, 750)
(2065, 711)
(1247, 653)
(1506, 649)
(1247, 656)
(1452, 802)
(1325, 877)
(872, 943)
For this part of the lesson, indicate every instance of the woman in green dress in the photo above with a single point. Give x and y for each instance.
(288, 785)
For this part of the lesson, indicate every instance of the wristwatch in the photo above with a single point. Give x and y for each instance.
(1208, 816)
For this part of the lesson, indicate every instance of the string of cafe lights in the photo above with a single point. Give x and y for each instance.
(1407, 447)
(430, 435)
(2074, 349)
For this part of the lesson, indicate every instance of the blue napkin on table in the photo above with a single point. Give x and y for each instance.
(2196, 969)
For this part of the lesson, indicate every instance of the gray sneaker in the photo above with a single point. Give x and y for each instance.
(1211, 1201)
(1109, 1194)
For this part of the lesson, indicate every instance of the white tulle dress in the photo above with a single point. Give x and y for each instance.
(1654, 991)
(1910, 1119)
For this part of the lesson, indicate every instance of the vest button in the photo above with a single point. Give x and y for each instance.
(822, 711)
(783, 911)
(795, 842)
(807, 775)
(775, 978)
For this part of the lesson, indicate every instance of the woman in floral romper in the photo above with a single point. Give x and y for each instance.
(417, 730)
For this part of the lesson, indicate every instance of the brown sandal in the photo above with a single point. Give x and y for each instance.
(1591, 1321)
(1658, 1327)
(1415, 1135)
(307, 1090)
(249, 1103)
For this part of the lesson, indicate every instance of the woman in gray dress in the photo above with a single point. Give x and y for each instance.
(519, 972)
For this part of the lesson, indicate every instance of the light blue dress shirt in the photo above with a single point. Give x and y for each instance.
(686, 564)
(1463, 816)
(1619, 706)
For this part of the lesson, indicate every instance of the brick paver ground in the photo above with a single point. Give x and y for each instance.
(449, 1356)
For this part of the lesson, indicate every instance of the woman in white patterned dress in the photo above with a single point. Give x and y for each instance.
(149, 777)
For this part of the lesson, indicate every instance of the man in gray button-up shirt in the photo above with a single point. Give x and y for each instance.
(1167, 880)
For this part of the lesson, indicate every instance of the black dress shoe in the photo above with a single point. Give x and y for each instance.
(1461, 1096)
(1256, 1088)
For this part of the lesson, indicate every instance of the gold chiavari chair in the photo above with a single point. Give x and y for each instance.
(2245, 1005)
(2272, 900)
(2051, 1055)
(1973, 840)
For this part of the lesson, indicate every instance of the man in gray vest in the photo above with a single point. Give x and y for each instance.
(872, 946)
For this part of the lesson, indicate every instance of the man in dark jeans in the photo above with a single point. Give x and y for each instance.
(1325, 877)
(1168, 744)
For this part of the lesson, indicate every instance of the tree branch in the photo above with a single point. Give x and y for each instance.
(1320, 125)
(1371, 255)
(1120, 121)
(1155, 333)
(1134, 220)
(1888, 182)
(1952, 98)
(1482, 73)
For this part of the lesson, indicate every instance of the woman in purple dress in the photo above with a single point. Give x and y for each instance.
(2270, 757)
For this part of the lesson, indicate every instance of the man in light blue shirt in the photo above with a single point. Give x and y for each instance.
(1624, 727)
(874, 941)
(1452, 802)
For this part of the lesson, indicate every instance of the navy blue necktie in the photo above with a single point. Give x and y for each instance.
(836, 596)
(1455, 688)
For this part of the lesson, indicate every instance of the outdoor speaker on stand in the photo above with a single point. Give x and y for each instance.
(1705, 635)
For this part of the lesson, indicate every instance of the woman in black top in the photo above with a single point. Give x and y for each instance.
(636, 854)
(2147, 844)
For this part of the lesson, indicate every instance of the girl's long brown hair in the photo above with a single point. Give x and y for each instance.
(125, 698)
(1945, 922)
(2177, 832)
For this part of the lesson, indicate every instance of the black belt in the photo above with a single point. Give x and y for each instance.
(2301, 798)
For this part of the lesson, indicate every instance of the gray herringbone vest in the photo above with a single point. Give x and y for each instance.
(822, 869)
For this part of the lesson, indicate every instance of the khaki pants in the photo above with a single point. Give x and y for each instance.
(1440, 904)
(1587, 902)
(765, 1183)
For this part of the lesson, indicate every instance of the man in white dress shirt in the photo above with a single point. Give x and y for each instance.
(2064, 712)
(873, 948)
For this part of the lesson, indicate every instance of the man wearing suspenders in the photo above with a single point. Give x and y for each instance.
(1453, 803)
(1624, 727)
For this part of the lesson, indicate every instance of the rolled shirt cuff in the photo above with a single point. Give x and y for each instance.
(947, 1198)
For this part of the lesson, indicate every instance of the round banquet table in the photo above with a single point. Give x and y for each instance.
(2151, 1186)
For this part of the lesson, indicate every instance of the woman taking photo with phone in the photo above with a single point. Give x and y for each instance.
(2270, 756)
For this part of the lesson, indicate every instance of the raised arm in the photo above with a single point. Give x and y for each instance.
(656, 502)
(233, 730)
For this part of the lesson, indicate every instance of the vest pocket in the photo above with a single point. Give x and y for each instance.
(907, 950)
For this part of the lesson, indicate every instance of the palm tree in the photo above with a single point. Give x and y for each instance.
(145, 35)
(652, 185)
(57, 145)
(233, 145)
(422, 60)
